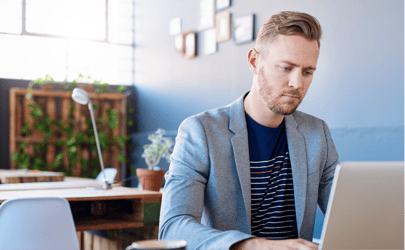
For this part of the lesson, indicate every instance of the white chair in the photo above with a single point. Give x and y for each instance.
(109, 173)
(37, 223)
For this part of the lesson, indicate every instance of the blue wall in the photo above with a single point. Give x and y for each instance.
(358, 88)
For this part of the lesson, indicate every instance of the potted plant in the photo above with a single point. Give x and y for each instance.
(150, 178)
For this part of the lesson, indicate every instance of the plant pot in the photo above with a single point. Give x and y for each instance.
(87, 87)
(47, 86)
(150, 179)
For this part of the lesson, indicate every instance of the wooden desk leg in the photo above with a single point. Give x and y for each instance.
(80, 237)
(88, 241)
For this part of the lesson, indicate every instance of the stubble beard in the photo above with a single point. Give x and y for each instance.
(266, 91)
(279, 111)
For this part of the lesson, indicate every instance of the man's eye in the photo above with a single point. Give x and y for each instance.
(308, 73)
(285, 68)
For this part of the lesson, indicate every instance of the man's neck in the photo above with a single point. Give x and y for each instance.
(263, 116)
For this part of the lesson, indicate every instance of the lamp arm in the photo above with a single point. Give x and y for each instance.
(90, 104)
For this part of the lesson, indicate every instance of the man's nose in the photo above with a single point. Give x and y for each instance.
(296, 80)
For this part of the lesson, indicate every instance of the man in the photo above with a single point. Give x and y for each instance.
(250, 175)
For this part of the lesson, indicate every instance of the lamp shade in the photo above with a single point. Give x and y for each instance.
(80, 96)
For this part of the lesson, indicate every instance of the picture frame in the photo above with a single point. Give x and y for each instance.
(207, 14)
(223, 26)
(175, 26)
(222, 4)
(178, 43)
(244, 29)
(189, 44)
(210, 41)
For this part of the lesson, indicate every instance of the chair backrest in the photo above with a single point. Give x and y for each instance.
(37, 223)
(109, 173)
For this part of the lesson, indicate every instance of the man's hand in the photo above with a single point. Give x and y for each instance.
(263, 244)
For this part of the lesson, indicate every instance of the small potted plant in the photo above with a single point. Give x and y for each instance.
(151, 178)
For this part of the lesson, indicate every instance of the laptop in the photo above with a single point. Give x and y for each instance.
(366, 207)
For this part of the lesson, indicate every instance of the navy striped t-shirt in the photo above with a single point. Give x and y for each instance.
(272, 190)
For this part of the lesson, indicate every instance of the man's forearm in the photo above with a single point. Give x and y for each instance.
(260, 243)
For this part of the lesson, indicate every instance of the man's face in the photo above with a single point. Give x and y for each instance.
(285, 72)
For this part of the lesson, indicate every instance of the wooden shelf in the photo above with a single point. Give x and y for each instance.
(23, 176)
(89, 223)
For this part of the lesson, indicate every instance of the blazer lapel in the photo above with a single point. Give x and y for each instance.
(240, 147)
(298, 158)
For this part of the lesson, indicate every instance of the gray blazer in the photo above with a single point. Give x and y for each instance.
(206, 198)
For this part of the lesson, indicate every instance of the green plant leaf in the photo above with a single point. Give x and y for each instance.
(112, 114)
(24, 131)
(42, 145)
(59, 156)
(15, 157)
(121, 158)
(23, 145)
(36, 167)
(48, 134)
(94, 173)
(40, 126)
(68, 130)
(84, 163)
(37, 112)
(160, 147)
(68, 171)
(88, 122)
(23, 165)
(79, 138)
(59, 123)
(133, 169)
(39, 81)
(46, 120)
(25, 158)
(38, 162)
(55, 165)
(102, 138)
(93, 148)
(72, 149)
(113, 118)
(95, 162)
(59, 143)
(121, 88)
(121, 141)
(102, 87)
(73, 156)
(70, 141)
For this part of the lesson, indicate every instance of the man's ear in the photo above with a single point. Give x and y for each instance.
(253, 57)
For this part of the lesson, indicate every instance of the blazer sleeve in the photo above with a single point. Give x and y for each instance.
(183, 194)
(332, 160)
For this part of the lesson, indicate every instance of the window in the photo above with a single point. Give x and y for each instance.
(63, 38)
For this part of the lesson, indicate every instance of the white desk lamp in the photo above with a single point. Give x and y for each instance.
(82, 97)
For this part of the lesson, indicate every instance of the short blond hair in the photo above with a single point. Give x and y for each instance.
(288, 23)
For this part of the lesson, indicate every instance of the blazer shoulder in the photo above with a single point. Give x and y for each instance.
(304, 119)
(212, 116)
